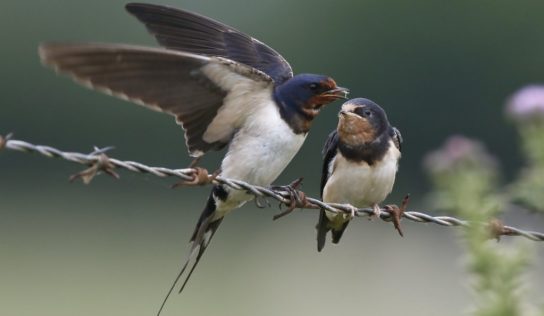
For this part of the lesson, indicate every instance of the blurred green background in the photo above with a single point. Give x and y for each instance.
(113, 247)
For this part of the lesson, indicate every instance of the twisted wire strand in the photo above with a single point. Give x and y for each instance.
(279, 194)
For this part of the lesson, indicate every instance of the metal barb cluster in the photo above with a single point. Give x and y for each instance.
(99, 162)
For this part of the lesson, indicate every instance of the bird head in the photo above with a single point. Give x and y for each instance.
(361, 121)
(303, 96)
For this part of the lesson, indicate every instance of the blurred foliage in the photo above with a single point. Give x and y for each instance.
(528, 190)
(465, 179)
(526, 108)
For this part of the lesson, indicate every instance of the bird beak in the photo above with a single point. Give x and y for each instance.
(336, 93)
(329, 96)
(345, 114)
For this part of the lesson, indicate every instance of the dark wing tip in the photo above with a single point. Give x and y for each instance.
(139, 9)
(135, 7)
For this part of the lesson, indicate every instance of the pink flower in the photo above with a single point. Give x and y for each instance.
(456, 151)
(527, 102)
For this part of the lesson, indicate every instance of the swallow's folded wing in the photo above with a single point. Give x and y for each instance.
(329, 152)
(397, 138)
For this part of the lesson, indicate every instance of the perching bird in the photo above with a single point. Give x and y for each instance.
(359, 166)
(226, 89)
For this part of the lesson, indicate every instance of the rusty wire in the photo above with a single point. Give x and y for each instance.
(98, 162)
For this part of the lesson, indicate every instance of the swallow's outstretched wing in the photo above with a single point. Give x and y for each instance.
(190, 32)
(194, 89)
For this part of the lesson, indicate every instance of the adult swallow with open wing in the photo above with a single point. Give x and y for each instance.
(360, 163)
(225, 88)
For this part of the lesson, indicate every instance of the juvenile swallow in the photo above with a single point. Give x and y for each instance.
(359, 166)
(225, 89)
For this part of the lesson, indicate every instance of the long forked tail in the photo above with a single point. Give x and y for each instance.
(204, 231)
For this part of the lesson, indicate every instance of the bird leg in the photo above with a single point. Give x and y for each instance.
(195, 162)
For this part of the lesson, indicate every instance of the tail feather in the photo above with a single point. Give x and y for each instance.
(322, 229)
(198, 246)
(337, 234)
(204, 237)
(205, 229)
(324, 226)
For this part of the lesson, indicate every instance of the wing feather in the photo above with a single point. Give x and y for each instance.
(163, 80)
(187, 31)
(397, 138)
(329, 151)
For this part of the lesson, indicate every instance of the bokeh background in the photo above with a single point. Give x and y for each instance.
(113, 247)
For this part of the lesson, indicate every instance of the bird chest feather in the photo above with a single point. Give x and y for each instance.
(360, 183)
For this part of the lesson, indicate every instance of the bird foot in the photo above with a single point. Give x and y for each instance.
(102, 164)
(397, 212)
(201, 177)
(4, 140)
(376, 212)
(352, 211)
(297, 199)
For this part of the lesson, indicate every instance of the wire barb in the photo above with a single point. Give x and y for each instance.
(396, 213)
(101, 162)
(297, 198)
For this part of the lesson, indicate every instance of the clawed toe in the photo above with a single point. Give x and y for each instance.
(200, 175)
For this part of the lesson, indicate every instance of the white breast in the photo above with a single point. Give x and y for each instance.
(262, 147)
(359, 184)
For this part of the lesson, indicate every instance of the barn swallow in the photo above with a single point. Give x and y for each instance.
(225, 89)
(359, 166)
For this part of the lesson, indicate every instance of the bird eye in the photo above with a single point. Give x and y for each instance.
(314, 86)
(368, 113)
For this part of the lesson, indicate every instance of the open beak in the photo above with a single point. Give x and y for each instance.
(336, 93)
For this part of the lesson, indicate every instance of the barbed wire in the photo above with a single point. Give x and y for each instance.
(99, 162)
